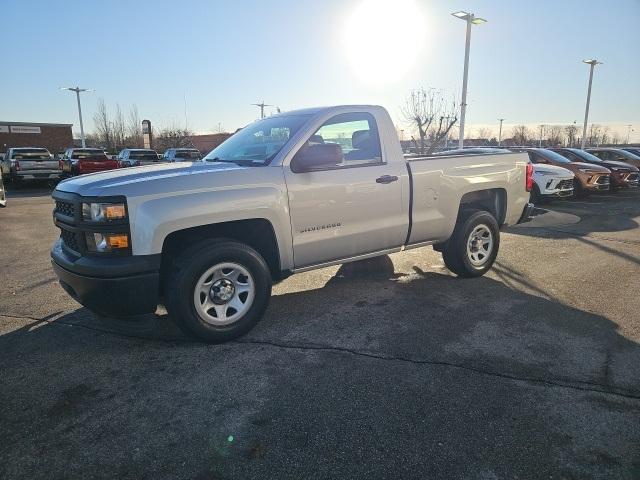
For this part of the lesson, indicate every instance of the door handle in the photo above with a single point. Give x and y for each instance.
(386, 179)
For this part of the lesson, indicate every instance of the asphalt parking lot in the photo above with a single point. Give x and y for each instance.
(389, 368)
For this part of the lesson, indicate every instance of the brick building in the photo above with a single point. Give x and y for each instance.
(206, 143)
(53, 136)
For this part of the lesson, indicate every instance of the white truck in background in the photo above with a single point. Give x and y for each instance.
(293, 192)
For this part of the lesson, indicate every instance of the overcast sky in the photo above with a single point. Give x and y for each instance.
(223, 56)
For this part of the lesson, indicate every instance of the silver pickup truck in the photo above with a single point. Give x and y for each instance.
(289, 193)
(29, 163)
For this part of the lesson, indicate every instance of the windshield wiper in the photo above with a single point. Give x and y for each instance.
(241, 162)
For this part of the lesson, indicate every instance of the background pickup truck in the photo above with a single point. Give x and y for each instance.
(78, 161)
(29, 163)
(288, 193)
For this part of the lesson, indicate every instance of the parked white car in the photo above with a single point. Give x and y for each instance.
(290, 193)
(551, 182)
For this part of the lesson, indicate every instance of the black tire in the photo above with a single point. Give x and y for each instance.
(454, 252)
(187, 269)
(578, 190)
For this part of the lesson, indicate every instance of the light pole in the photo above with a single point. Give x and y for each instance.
(78, 90)
(471, 19)
(261, 105)
(593, 63)
(500, 131)
(628, 133)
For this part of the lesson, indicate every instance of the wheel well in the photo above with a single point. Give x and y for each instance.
(258, 233)
(493, 200)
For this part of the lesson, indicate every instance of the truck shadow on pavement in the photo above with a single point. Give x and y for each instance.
(415, 359)
(368, 308)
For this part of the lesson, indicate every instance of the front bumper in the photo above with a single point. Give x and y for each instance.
(110, 286)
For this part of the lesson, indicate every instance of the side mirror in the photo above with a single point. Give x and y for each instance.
(316, 157)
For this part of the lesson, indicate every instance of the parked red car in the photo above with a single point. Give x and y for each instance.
(78, 161)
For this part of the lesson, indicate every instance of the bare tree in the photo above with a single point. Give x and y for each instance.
(119, 133)
(102, 124)
(432, 115)
(483, 133)
(134, 128)
(572, 134)
(172, 137)
(616, 138)
(521, 135)
(555, 135)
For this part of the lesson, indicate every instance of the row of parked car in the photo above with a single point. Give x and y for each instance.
(35, 163)
(562, 172)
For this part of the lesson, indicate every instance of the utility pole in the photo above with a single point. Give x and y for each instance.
(78, 90)
(593, 63)
(500, 131)
(262, 105)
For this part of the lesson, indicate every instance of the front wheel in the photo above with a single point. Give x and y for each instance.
(218, 290)
(473, 246)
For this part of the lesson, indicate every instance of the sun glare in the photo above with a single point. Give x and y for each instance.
(383, 39)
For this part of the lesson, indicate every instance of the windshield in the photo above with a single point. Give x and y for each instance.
(92, 153)
(31, 154)
(259, 142)
(553, 156)
(586, 156)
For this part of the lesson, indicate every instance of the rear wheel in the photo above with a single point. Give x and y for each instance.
(473, 246)
(218, 290)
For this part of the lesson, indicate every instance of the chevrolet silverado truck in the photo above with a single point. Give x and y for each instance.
(29, 164)
(293, 192)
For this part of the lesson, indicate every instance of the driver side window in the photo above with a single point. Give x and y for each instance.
(357, 136)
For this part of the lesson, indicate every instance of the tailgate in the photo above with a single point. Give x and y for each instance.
(98, 164)
(38, 164)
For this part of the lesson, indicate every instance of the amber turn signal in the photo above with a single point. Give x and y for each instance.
(117, 241)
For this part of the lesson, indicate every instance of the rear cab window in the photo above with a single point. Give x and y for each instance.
(143, 155)
(88, 154)
(31, 154)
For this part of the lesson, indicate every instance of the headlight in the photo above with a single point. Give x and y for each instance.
(104, 212)
(106, 242)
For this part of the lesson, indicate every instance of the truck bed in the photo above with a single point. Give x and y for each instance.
(439, 183)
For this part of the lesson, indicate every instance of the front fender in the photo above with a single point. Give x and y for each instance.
(153, 219)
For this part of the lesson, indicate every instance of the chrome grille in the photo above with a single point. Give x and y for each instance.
(603, 180)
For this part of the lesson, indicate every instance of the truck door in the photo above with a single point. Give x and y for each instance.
(352, 206)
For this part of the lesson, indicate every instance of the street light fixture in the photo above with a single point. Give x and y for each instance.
(78, 90)
(471, 19)
(593, 62)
